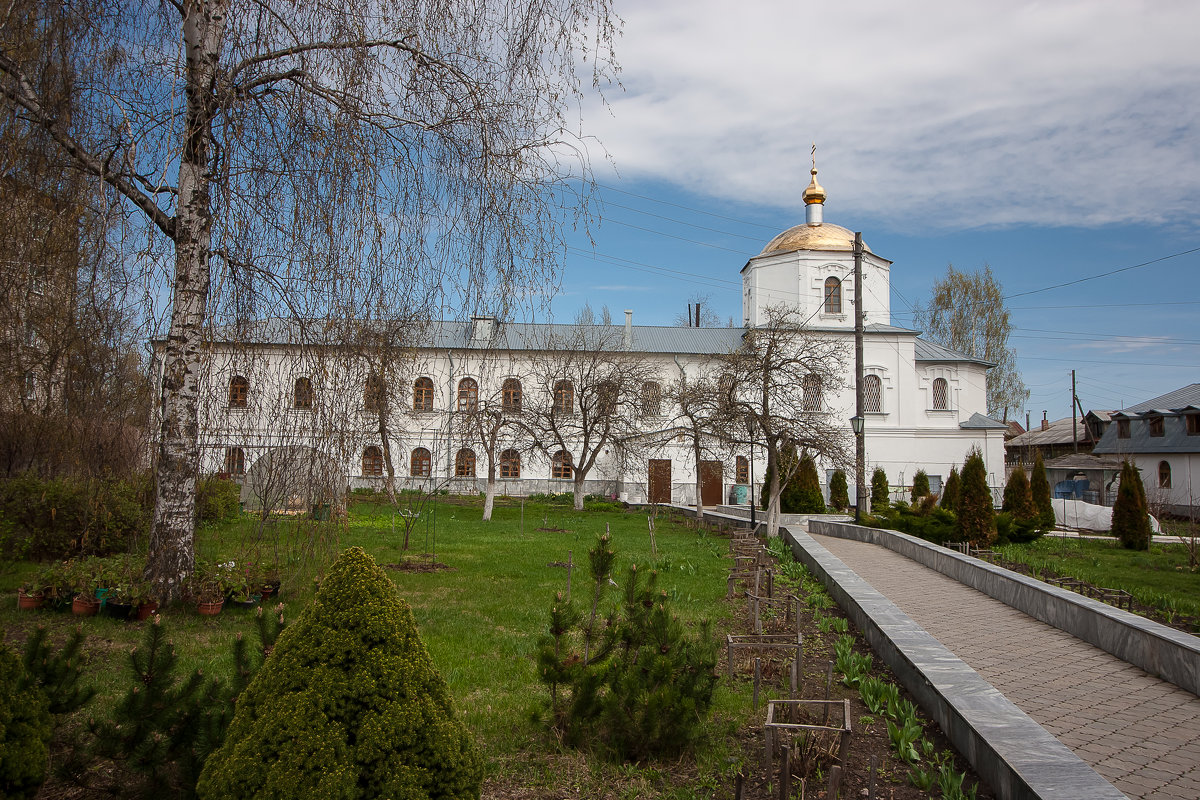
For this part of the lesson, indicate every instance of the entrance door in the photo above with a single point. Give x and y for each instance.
(660, 480)
(711, 475)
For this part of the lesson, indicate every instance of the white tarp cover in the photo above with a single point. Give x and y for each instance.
(1087, 516)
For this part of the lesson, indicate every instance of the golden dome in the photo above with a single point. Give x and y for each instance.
(814, 193)
(825, 236)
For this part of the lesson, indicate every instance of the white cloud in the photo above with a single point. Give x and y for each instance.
(942, 114)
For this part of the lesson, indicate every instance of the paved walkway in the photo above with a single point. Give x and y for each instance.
(1140, 733)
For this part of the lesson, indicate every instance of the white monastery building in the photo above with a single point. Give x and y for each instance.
(277, 410)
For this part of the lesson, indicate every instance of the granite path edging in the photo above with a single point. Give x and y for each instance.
(1163, 652)
(1016, 756)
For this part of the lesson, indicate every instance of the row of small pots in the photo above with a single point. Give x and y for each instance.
(85, 606)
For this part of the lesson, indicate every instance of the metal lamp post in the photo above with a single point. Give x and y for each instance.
(857, 423)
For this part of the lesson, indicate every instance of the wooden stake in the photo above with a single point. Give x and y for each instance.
(570, 568)
(835, 781)
(757, 680)
(785, 774)
(871, 778)
(828, 684)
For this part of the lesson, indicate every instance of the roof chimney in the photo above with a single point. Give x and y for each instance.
(1045, 422)
(628, 329)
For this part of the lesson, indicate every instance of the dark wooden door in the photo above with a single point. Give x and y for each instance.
(711, 476)
(660, 480)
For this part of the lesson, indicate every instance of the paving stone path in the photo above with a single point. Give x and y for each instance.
(1142, 734)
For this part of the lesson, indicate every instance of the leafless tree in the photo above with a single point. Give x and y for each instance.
(702, 418)
(781, 381)
(588, 402)
(279, 158)
(495, 419)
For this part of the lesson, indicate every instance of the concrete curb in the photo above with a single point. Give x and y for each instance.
(1018, 758)
(1164, 652)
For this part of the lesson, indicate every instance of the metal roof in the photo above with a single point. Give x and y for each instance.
(456, 335)
(1061, 431)
(978, 421)
(1175, 401)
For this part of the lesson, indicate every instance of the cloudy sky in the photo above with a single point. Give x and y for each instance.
(1055, 141)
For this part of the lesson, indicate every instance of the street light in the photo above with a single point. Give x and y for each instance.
(857, 422)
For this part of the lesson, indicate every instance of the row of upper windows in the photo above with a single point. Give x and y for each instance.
(511, 395)
(421, 463)
(1156, 426)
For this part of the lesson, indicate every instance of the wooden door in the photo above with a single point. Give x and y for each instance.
(660, 480)
(711, 476)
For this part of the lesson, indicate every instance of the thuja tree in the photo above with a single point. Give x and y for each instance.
(803, 494)
(976, 521)
(1039, 489)
(920, 487)
(839, 491)
(349, 705)
(950, 491)
(1130, 520)
(1018, 500)
(879, 491)
(640, 689)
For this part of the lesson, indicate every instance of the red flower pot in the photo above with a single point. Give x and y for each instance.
(210, 609)
(28, 602)
(146, 610)
(85, 606)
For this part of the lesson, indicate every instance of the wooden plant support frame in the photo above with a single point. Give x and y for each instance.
(785, 643)
(775, 730)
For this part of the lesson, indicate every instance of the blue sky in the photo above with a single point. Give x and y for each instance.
(1052, 141)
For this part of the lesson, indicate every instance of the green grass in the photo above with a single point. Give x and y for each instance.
(480, 619)
(1159, 577)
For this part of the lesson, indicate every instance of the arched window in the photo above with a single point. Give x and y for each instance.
(302, 394)
(743, 470)
(464, 463)
(812, 392)
(239, 391)
(468, 396)
(833, 296)
(606, 396)
(564, 397)
(1164, 475)
(235, 461)
(373, 393)
(510, 396)
(421, 463)
(651, 399)
(510, 465)
(372, 461)
(560, 465)
(941, 395)
(872, 394)
(423, 395)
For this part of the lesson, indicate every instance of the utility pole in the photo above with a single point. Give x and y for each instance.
(1074, 423)
(860, 438)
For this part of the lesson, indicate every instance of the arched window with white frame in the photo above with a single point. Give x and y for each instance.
(940, 395)
(872, 394)
(833, 295)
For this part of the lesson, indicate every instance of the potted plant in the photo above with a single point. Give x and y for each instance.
(83, 577)
(56, 586)
(30, 594)
(269, 577)
(244, 586)
(207, 587)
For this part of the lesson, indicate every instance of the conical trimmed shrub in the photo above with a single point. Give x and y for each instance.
(1017, 498)
(839, 490)
(1130, 521)
(1039, 488)
(880, 493)
(349, 705)
(949, 499)
(976, 522)
(803, 494)
(920, 487)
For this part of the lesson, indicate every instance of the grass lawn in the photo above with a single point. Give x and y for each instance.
(1159, 577)
(480, 618)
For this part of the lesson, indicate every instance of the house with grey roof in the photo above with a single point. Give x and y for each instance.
(1162, 438)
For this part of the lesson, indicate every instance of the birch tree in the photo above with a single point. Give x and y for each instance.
(273, 158)
(966, 312)
(781, 381)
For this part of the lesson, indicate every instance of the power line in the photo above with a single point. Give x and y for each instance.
(742, 253)
(688, 208)
(682, 222)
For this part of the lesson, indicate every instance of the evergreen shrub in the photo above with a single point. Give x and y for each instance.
(839, 491)
(1130, 520)
(950, 490)
(804, 490)
(920, 487)
(1039, 490)
(217, 500)
(976, 515)
(349, 705)
(880, 499)
(25, 730)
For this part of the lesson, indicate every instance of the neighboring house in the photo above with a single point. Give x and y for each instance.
(1052, 439)
(1162, 438)
(925, 405)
